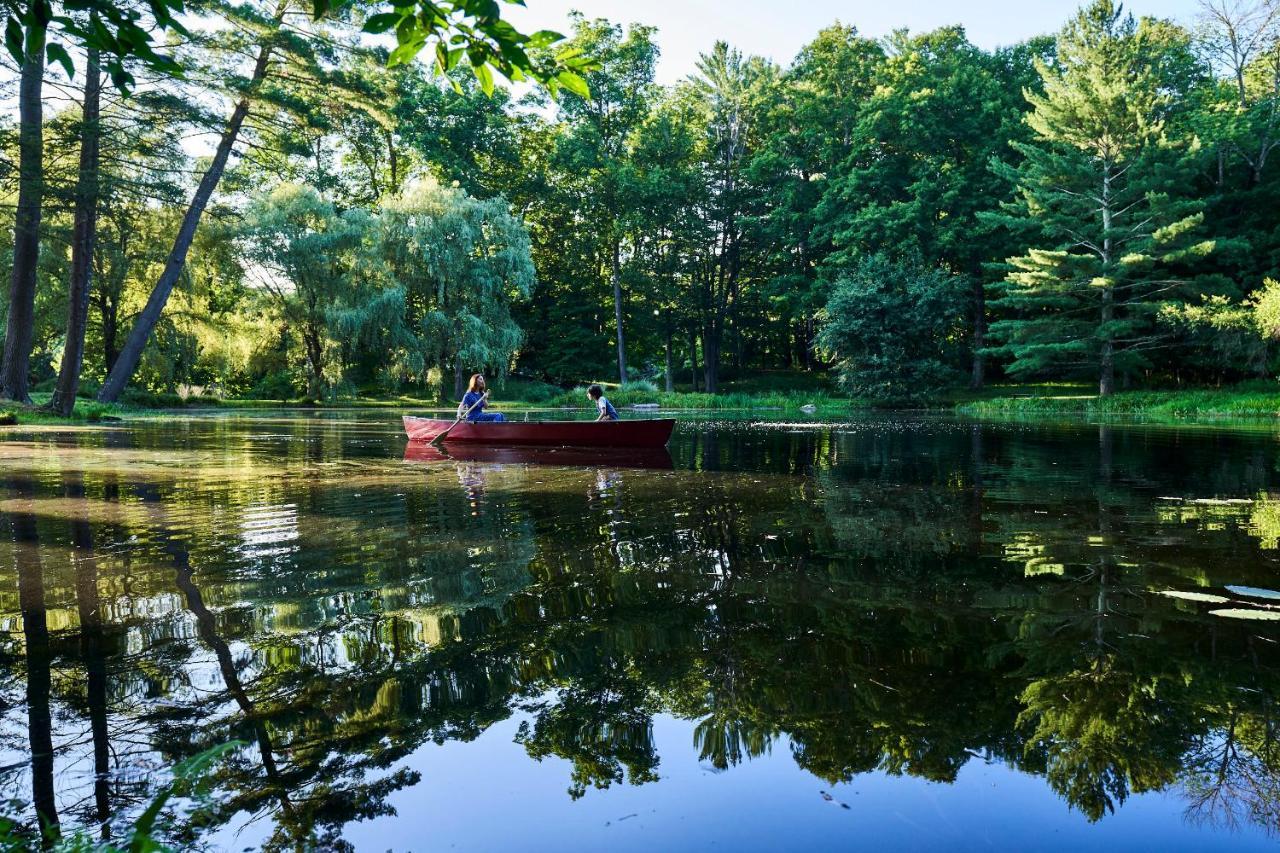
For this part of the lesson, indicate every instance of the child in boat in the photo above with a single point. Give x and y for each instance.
(477, 395)
(607, 411)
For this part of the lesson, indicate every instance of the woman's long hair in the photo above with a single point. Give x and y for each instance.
(474, 385)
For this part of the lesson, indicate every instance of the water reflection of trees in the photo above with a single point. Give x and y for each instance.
(866, 599)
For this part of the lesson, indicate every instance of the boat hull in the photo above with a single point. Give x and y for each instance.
(637, 433)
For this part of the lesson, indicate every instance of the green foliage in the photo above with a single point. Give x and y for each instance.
(474, 30)
(640, 386)
(1264, 308)
(120, 31)
(777, 401)
(892, 327)
(309, 253)
(448, 270)
(1220, 336)
(426, 281)
(1105, 184)
(280, 385)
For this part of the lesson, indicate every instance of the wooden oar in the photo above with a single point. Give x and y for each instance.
(439, 438)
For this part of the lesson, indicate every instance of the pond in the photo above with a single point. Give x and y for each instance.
(917, 632)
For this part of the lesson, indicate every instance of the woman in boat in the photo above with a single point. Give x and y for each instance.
(478, 396)
(606, 409)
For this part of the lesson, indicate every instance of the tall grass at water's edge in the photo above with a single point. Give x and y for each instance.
(699, 401)
(1254, 401)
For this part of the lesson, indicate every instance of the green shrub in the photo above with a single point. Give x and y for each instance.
(151, 399)
(278, 385)
(894, 328)
(528, 390)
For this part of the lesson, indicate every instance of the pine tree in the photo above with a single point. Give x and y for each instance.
(1104, 181)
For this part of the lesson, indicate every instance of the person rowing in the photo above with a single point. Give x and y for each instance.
(474, 402)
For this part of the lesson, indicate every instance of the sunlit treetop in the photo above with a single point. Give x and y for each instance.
(451, 29)
(119, 30)
(474, 29)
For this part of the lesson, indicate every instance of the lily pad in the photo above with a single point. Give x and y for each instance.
(1255, 592)
(1206, 597)
(1242, 613)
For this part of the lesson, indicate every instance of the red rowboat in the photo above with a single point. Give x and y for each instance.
(640, 433)
(583, 457)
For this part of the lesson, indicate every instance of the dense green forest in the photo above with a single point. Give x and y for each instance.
(909, 214)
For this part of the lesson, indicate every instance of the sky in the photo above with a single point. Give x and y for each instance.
(777, 29)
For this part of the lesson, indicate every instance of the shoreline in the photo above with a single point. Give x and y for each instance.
(1255, 401)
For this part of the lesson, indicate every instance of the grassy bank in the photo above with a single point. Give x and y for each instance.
(688, 400)
(768, 394)
(513, 398)
(1254, 400)
(86, 412)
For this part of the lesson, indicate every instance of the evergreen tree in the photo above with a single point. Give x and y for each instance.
(730, 90)
(1105, 182)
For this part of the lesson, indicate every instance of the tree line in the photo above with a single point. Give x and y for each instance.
(911, 213)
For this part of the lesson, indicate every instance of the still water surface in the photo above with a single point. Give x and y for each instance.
(912, 633)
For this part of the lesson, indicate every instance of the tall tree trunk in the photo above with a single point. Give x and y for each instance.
(693, 358)
(670, 373)
(1106, 361)
(127, 361)
(84, 236)
(807, 352)
(739, 347)
(26, 224)
(711, 358)
(314, 344)
(1107, 367)
(393, 161)
(977, 376)
(110, 333)
(616, 277)
(459, 378)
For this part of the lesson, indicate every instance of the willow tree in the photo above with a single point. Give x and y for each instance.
(451, 267)
(307, 254)
(1104, 180)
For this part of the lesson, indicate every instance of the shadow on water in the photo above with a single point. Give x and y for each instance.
(1091, 606)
